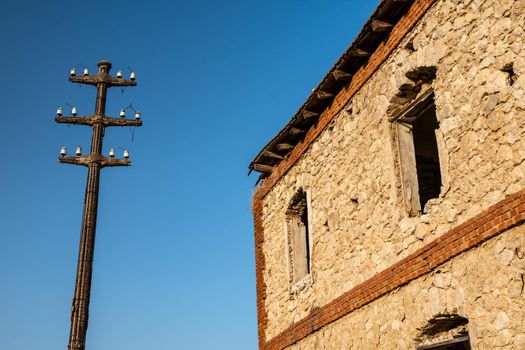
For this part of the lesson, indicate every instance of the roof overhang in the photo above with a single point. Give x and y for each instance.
(374, 32)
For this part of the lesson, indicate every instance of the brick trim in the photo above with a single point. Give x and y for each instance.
(260, 265)
(400, 30)
(489, 223)
(380, 55)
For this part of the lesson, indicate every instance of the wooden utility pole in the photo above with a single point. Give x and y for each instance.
(94, 162)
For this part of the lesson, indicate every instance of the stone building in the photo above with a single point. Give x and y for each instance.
(391, 206)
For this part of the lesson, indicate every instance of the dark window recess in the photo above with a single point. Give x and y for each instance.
(443, 324)
(427, 155)
(304, 222)
(418, 152)
(460, 343)
(298, 236)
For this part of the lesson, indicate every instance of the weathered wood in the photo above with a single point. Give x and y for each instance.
(271, 154)
(112, 162)
(262, 168)
(299, 240)
(323, 95)
(408, 169)
(309, 114)
(94, 161)
(296, 131)
(85, 79)
(359, 53)
(408, 113)
(341, 75)
(121, 122)
(284, 146)
(92, 119)
(380, 26)
(112, 81)
(86, 120)
(77, 160)
(446, 344)
(102, 78)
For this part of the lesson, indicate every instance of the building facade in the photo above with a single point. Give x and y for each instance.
(390, 210)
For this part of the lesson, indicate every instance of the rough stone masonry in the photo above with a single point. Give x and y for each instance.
(360, 226)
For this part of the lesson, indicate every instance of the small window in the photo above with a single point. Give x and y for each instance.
(460, 343)
(298, 237)
(418, 152)
(445, 332)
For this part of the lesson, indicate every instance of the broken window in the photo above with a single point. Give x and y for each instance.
(298, 237)
(445, 332)
(460, 343)
(418, 151)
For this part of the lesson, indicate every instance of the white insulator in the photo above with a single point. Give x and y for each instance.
(73, 72)
(86, 72)
(122, 113)
(111, 153)
(132, 76)
(79, 151)
(59, 111)
(74, 111)
(126, 154)
(63, 151)
(119, 74)
(137, 115)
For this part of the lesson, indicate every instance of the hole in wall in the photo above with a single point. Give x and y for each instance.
(509, 69)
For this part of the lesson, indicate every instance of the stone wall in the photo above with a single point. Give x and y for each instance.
(359, 222)
(484, 285)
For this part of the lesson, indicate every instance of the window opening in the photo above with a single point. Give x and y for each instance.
(427, 155)
(439, 331)
(460, 343)
(298, 237)
(418, 151)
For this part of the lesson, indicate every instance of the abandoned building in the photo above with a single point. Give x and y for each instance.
(390, 208)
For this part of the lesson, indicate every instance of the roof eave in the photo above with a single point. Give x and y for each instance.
(376, 29)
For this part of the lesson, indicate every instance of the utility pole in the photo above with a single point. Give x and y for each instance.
(94, 162)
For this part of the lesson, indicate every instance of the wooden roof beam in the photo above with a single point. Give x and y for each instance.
(323, 95)
(284, 146)
(341, 75)
(359, 53)
(309, 114)
(262, 168)
(296, 131)
(271, 154)
(379, 26)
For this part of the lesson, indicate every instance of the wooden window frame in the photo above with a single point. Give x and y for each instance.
(406, 150)
(457, 340)
(299, 282)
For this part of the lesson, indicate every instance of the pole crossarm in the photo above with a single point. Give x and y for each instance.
(102, 78)
(93, 119)
(94, 159)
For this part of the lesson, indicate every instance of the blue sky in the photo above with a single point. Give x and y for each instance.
(174, 260)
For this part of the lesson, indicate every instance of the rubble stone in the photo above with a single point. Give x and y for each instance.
(359, 222)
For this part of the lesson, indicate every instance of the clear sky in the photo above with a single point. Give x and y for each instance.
(174, 257)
